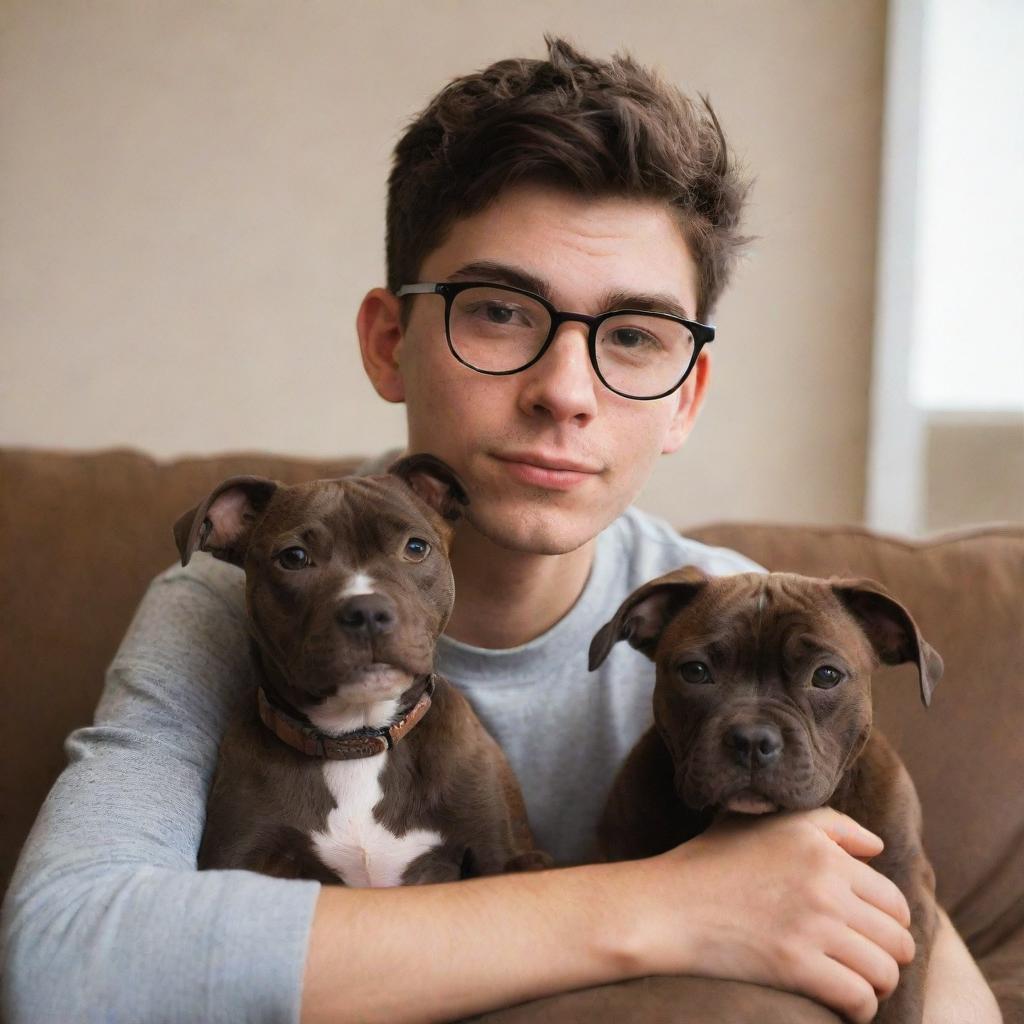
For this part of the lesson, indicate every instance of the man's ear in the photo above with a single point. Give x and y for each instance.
(222, 524)
(645, 613)
(434, 481)
(891, 630)
(379, 326)
(689, 399)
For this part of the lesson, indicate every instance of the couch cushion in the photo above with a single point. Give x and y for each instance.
(81, 535)
(966, 752)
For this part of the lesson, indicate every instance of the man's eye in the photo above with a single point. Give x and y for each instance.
(498, 314)
(695, 672)
(826, 677)
(632, 337)
(294, 558)
(416, 549)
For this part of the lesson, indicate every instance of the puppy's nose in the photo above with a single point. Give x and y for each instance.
(754, 746)
(367, 613)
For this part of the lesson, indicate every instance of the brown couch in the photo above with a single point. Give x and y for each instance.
(82, 534)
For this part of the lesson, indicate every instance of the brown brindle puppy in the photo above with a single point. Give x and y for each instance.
(352, 762)
(763, 703)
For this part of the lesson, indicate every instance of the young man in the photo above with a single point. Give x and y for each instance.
(532, 188)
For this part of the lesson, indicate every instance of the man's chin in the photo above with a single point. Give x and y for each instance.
(535, 532)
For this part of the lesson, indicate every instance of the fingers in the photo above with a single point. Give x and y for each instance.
(880, 892)
(866, 882)
(844, 990)
(852, 837)
(882, 929)
(865, 959)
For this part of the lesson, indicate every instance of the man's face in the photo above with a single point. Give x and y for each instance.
(549, 456)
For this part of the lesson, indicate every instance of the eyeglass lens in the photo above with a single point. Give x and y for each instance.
(497, 330)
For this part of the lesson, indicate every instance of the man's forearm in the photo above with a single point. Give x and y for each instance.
(777, 903)
(956, 990)
(441, 952)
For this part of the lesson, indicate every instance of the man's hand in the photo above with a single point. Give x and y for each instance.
(783, 901)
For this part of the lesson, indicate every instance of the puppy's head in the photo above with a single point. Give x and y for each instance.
(348, 583)
(763, 692)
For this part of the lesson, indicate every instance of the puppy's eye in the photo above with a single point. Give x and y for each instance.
(695, 672)
(826, 677)
(293, 558)
(416, 549)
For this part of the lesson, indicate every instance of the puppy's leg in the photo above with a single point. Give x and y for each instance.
(445, 863)
(522, 853)
(280, 851)
(534, 860)
(883, 799)
(289, 854)
(498, 835)
(643, 815)
(916, 881)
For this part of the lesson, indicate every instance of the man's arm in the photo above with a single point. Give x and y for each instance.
(106, 916)
(956, 990)
(779, 903)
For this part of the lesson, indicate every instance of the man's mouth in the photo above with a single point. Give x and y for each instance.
(549, 471)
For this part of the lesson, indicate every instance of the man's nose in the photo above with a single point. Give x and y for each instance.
(562, 383)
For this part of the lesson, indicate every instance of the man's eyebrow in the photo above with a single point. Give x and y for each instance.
(517, 277)
(502, 273)
(653, 302)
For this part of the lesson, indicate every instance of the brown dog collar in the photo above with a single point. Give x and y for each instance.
(361, 743)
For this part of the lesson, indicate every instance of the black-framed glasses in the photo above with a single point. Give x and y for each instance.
(498, 329)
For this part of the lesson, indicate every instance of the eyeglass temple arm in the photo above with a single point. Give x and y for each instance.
(416, 289)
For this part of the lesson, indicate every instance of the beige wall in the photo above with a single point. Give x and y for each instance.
(192, 205)
(974, 468)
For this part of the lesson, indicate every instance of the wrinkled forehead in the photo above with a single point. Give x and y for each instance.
(779, 610)
(360, 513)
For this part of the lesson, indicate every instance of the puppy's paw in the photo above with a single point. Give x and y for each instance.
(532, 860)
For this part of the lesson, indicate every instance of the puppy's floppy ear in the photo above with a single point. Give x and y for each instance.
(434, 481)
(891, 629)
(223, 523)
(645, 613)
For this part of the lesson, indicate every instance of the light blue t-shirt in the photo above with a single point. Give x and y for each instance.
(107, 918)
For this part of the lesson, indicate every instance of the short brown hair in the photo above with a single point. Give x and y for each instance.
(596, 127)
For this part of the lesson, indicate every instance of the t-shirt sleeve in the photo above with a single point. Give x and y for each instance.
(107, 917)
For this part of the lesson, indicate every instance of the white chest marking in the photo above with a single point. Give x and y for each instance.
(353, 843)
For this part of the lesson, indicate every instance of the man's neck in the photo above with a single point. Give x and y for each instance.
(507, 598)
